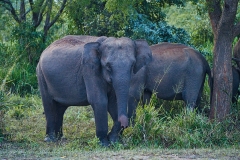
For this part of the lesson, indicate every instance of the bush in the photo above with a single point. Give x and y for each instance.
(186, 129)
(17, 75)
(154, 33)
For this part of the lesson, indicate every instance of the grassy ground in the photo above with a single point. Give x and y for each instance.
(157, 134)
(12, 151)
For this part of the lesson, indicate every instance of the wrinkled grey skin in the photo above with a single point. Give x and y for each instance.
(72, 72)
(177, 72)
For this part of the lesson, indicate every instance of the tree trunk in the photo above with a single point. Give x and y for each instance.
(222, 16)
(222, 78)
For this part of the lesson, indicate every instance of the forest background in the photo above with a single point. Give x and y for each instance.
(28, 27)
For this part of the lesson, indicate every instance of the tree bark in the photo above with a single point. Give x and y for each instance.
(222, 21)
(222, 78)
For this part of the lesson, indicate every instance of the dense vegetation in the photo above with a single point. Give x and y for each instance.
(169, 126)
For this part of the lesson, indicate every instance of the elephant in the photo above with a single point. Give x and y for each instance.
(86, 70)
(176, 72)
(235, 85)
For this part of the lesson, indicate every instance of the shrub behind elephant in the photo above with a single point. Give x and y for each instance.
(177, 72)
(72, 72)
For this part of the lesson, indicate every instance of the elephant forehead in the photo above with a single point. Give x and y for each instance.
(118, 43)
(124, 42)
(119, 54)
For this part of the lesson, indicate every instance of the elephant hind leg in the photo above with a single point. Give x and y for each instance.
(54, 116)
(191, 96)
(193, 87)
(50, 115)
(59, 120)
(50, 108)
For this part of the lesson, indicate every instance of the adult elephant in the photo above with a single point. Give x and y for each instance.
(177, 72)
(72, 72)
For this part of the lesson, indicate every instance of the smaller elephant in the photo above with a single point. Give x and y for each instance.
(235, 85)
(177, 72)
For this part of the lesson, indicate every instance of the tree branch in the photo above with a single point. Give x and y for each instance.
(27, 12)
(59, 13)
(40, 16)
(229, 15)
(22, 11)
(11, 9)
(48, 22)
(37, 11)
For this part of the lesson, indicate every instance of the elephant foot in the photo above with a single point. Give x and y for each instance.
(50, 138)
(104, 143)
(116, 131)
(113, 137)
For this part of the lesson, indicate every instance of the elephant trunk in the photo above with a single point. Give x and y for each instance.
(121, 86)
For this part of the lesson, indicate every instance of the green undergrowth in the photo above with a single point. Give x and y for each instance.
(23, 127)
(183, 129)
(17, 74)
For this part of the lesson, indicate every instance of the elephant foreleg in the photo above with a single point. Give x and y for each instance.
(101, 120)
(113, 136)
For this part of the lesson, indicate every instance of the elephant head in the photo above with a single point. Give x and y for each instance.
(115, 60)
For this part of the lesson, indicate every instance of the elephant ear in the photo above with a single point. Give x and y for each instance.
(143, 55)
(91, 55)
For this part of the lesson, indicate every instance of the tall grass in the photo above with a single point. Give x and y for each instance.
(17, 75)
(176, 128)
(185, 129)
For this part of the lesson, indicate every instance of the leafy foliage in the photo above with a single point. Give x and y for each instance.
(194, 19)
(119, 18)
(17, 75)
(155, 33)
(28, 41)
